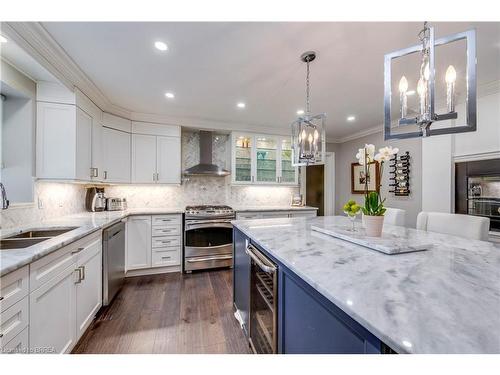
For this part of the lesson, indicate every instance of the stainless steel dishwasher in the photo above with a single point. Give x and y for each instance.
(113, 261)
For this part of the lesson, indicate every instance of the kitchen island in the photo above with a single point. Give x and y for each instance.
(338, 297)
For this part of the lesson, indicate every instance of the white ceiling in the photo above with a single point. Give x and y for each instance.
(212, 66)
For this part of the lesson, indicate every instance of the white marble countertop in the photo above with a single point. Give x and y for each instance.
(444, 300)
(86, 223)
(273, 208)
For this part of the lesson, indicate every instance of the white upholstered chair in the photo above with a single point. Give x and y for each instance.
(467, 226)
(395, 216)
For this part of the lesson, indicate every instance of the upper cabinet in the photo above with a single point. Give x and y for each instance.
(116, 148)
(75, 140)
(68, 135)
(262, 159)
(156, 153)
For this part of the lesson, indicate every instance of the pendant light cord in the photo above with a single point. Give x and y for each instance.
(308, 109)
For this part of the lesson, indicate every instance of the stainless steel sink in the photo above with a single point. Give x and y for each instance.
(54, 232)
(31, 237)
(20, 243)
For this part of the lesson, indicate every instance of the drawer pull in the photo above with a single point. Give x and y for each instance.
(166, 257)
(77, 250)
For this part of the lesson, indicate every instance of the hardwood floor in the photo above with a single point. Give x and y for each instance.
(169, 313)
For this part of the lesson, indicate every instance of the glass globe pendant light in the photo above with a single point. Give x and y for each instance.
(308, 131)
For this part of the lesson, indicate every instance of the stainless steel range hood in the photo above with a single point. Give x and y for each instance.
(206, 167)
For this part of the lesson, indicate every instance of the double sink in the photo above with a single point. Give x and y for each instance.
(31, 237)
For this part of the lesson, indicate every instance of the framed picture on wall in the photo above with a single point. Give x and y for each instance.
(359, 177)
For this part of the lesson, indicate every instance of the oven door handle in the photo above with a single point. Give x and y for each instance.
(222, 257)
(252, 252)
(208, 225)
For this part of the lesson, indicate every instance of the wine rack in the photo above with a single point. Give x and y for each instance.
(400, 175)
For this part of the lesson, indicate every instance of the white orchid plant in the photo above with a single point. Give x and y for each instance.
(374, 205)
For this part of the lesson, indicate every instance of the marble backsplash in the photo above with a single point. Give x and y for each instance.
(59, 199)
(55, 199)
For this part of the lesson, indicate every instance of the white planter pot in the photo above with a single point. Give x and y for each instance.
(373, 225)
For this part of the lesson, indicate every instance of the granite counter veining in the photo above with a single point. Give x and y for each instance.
(444, 300)
(86, 223)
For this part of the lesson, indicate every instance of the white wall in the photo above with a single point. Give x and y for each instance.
(345, 155)
(441, 152)
(17, 133)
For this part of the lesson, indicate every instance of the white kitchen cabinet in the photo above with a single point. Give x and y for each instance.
(83, 145)
(138, 242)
(156, 159)
(97, 150)
(89, 285)
(143, 158)
(68, 135)
(116, 152)
(56, 141)
(68, 143)
(53, 313)
(168, 160)
(262, 160)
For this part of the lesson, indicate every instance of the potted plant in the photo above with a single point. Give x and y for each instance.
(373, 209)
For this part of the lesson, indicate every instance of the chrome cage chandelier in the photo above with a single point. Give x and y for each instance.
(426, 88)
(308, 131)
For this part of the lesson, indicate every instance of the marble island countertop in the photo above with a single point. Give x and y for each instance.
(444, 300)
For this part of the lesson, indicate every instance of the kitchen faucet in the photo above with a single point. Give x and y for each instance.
(5, 201)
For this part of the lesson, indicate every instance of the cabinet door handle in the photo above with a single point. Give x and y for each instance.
(1, 298)
(96, 172)
(252, 178)
(105, 175)
(157, 177)
(79, 271)
(83, 272)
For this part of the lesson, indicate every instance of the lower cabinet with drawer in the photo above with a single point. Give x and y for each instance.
(47, 306)
(154, 244)
(66, 302)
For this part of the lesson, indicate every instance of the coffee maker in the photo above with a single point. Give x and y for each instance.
(95, 200)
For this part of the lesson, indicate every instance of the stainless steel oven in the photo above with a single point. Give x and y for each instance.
(263, 302)
(208, 237)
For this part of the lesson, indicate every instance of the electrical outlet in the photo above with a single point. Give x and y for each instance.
(40, 204)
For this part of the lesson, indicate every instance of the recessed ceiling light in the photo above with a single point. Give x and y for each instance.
(3, 39)
(300, 112)
(161, 46)
(411, 92)
(241, 105)
(351, 118)
(169, 95)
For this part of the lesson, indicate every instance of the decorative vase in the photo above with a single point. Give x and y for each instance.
(373, 225)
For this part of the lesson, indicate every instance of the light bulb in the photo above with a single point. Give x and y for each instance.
(427, 72)
(403, 85)
(451, 74)
(316, 135)
(421, 87)
(310, 138)
(303, 135)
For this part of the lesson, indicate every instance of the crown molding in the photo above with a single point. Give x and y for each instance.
(34, 39)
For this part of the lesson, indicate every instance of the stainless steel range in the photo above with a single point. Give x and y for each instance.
(208, 237)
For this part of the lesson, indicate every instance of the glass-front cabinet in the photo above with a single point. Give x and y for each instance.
(262, 159)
